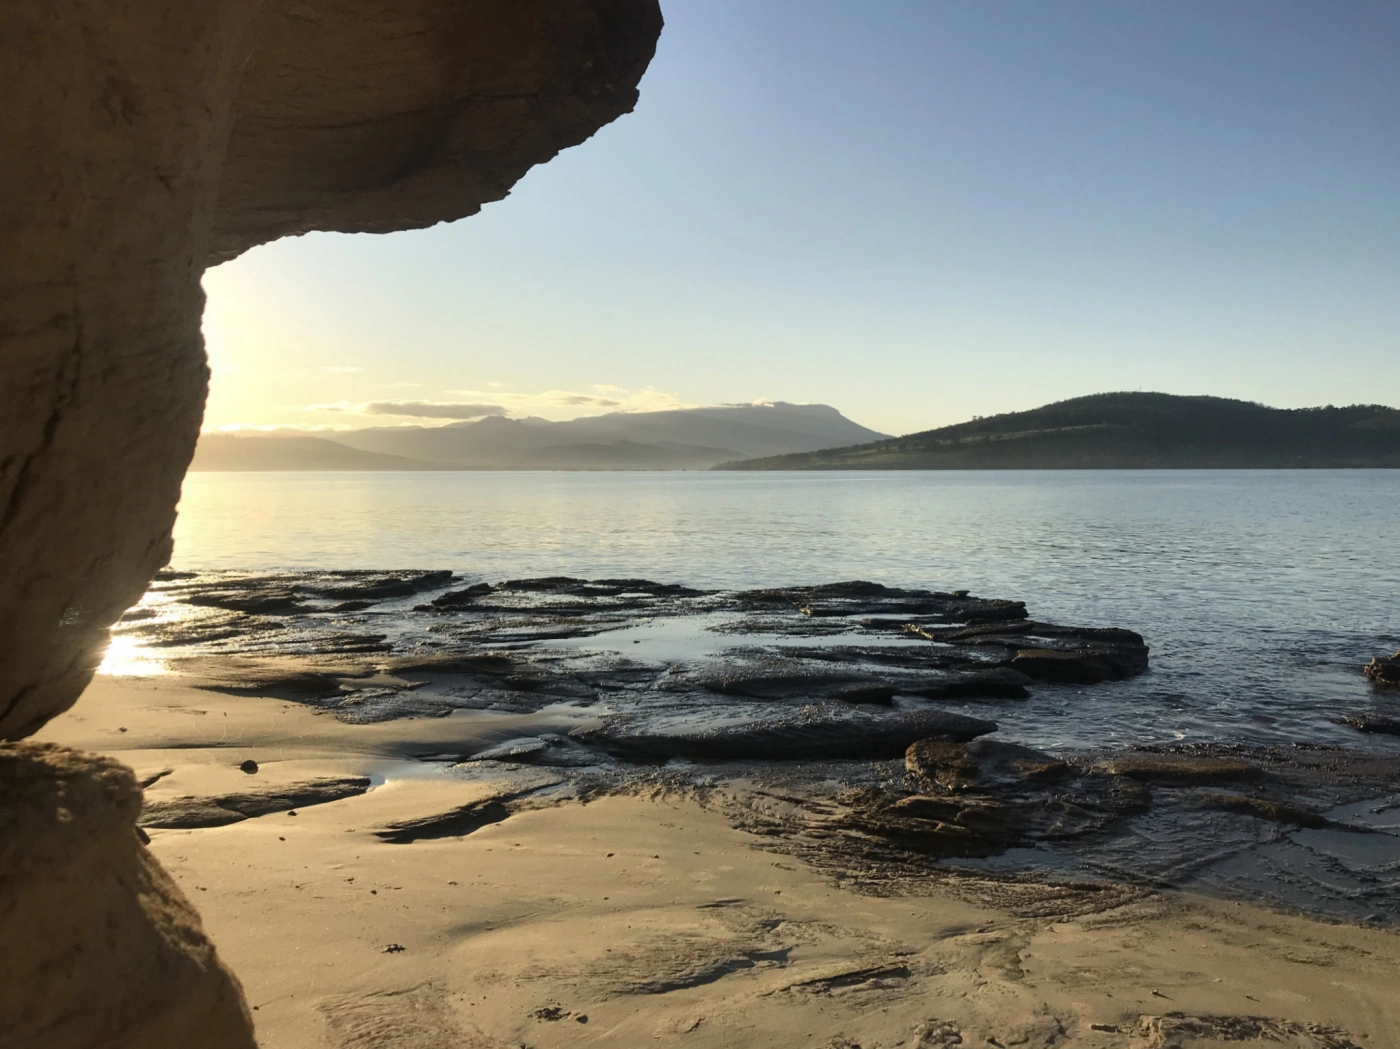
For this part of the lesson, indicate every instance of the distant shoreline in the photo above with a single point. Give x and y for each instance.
(1108, 431)
(1129, 431)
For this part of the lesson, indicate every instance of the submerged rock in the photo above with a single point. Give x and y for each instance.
(1181, 769)
(1378, 723)
(981, 801)
(461, 598)
(1264, 809)
(820, 732)
(984, 764)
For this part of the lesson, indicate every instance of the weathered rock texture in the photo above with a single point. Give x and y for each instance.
(101, 948)
(144, 139)
(140, 141)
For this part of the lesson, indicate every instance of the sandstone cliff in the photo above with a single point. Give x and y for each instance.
(140, 141)
(145, 139)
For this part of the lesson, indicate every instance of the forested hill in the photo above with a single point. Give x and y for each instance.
(1129, 431)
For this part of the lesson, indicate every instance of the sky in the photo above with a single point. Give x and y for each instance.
(917, 211)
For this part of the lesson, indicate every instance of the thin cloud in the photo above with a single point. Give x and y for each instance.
(274, 429)
(604, 398)
(432, 409)
(582, 399)
(343, 369)
(413, 409)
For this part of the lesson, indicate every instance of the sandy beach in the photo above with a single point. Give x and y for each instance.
(646, 917)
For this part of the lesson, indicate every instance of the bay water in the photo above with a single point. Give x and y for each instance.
(1261, 593)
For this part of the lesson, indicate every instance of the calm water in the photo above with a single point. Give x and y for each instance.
(1260, 592)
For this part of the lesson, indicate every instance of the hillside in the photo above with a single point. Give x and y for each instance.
(698, 437)
(1129, 431)
(683, 439)
(232, 452)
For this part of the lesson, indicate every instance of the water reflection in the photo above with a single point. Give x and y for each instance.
(1261, 592)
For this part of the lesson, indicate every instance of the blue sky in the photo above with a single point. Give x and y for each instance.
(915, 210)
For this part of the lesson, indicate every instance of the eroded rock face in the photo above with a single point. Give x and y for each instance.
(101, 948)
(144, 139)
(381, 115)
(140, 141)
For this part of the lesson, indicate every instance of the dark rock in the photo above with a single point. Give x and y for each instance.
(1048, 652)
(990, 822)
(985, 796)
(645, 586)
(1378, 723)
(452, 824)
(489, 647)
(516, 750)
(936, 764)
(546, 584)
(548, 749)
(271, 603)
(1264, 809)
(250, 766)
(1070, 667)
(877, 694)
(1181, 769)
(489, 663)
(270, 679)
(784, 680)
(1090, 804)
(233, 808)
(1045, 771)
(1384, 671)
(860, 598)
(459, 598)
(826, 731)
(996, 683)
(986, 763)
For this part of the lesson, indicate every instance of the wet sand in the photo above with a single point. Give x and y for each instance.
(647, 911)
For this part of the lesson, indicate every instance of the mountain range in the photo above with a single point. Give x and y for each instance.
(1128, 431)
(680, 439)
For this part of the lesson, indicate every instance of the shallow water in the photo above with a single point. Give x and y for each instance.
(1260, 592)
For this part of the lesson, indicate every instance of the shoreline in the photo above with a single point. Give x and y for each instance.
(692, 932)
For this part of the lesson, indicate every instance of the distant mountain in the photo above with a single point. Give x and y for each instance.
(683, 439)
(226, 451)
(1129, 431)
(699, 436)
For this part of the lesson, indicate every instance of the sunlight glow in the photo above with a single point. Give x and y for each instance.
(127, 657)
